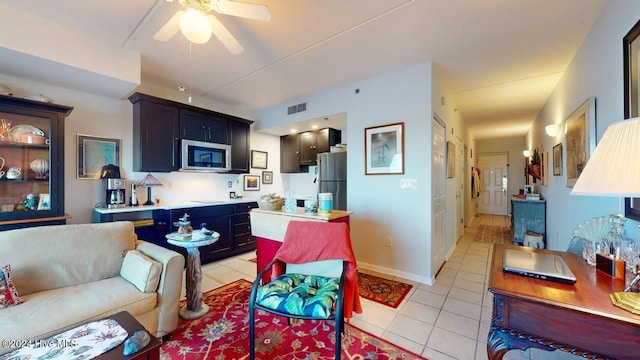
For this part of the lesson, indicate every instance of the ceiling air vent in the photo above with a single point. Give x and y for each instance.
(294, 109)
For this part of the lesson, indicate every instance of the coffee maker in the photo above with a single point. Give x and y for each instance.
(115, 192)
(114, 187)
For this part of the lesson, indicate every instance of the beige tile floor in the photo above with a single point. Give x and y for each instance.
(449, 320)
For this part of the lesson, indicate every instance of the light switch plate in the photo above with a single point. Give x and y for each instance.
(408, 183)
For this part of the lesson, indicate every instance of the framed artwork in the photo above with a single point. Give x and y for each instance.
(44, 202)
(451, 159)
(631, 59)
(267, 177)
(93, 153)
(580, 139)
(258, 159)
(557, 160)
(251, 182)
(384, 149)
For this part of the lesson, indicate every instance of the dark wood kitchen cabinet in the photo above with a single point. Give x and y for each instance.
(240, 146)
(218, 218)
(242, 238)
(160, 124)
(152, 224)
(298, 151)
(290, 153)
(156, 142)
(40, 159)
(202, 127)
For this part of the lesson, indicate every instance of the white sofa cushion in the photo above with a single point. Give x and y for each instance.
(140, 270)
(51, 257)
(49, 312)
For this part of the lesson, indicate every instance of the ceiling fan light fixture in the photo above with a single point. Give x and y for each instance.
(195, 26)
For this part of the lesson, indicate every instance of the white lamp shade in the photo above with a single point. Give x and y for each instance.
(195, 26)
(614, 167)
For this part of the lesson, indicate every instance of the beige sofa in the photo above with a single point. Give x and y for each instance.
(69, 274)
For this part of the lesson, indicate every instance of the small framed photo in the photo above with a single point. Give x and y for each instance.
(258, 159)
(44, 202)
(384, 149)
(267, 177)
(232, 194)
(251, 182)
(557, 160)
(93, 153)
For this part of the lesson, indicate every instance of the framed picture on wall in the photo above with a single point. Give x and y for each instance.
(258, 159)
(557, 160)
(267, 177)
(93, 153)
(580, 139)
(384, 149)
(252, 183)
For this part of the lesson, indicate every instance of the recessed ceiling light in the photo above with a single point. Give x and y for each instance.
(293, 131)
(314, 126)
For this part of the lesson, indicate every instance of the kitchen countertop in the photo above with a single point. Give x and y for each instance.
(188, 204)
(334, 214)
(272, 224)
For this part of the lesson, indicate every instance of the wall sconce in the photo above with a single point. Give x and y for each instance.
(552, 130)
(526, 153)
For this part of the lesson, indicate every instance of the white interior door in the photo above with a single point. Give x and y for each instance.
(493, 174)
(460, 176)
(438, 203)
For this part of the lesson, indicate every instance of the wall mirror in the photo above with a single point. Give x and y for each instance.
(631, 51)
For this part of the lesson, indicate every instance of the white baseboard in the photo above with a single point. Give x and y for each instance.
(393, 272)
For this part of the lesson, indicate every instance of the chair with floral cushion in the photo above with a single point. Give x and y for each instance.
(309, 278)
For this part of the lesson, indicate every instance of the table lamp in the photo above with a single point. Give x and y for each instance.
(149, 181)
(614, 170)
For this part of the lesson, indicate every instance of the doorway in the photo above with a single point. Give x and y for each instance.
(493, 174)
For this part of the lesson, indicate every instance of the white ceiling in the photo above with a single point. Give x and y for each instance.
(502, 57)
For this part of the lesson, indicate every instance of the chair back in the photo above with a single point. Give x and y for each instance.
(327, 268)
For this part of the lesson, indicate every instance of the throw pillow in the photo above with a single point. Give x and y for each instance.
(8, 293)
(140, 270)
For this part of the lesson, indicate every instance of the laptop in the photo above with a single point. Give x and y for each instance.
(537, 265)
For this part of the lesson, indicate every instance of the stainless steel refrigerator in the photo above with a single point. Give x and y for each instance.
(332, 177)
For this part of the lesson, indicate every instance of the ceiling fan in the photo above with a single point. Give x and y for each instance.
(197, 21)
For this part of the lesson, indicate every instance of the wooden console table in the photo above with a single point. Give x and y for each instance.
(578, 318)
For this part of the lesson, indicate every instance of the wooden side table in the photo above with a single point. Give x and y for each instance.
(576, 318)
(195, 308)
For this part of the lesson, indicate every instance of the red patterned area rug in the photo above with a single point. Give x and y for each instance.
(383, 291)
(223, 333)
(493, 234)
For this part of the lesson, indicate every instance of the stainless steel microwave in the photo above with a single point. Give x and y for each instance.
(205, 156)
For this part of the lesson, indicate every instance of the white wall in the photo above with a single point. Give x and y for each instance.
(596, 71)
(380, 207)
(112, 118)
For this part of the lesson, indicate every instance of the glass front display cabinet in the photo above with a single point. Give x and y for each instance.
(31, 163)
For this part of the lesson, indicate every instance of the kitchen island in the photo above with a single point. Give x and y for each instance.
(269, 227)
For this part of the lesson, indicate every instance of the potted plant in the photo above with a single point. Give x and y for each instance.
(535, 167)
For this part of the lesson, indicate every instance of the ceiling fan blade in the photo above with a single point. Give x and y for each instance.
(225, 36)
(169, 29)
(246, 10)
